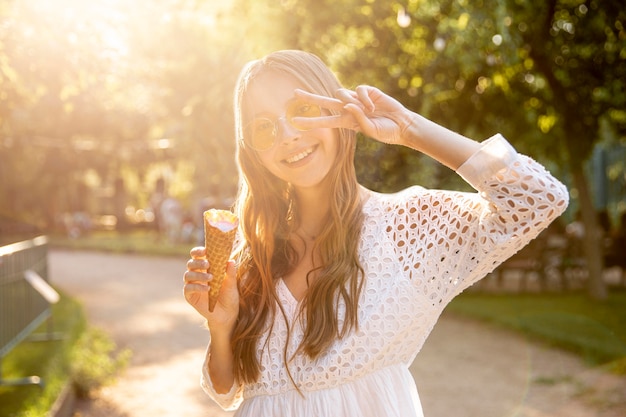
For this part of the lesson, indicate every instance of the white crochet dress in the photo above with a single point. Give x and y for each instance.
(419, 248)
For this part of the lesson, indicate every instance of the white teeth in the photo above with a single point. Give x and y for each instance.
(299, 156)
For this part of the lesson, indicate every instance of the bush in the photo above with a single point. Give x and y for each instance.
(95, 362)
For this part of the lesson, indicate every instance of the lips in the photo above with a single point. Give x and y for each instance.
(299, 156)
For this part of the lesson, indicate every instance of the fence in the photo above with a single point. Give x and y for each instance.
(25, 298)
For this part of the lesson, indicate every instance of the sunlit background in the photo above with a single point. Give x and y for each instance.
(102, 99)
(108, 106)
(117, 115)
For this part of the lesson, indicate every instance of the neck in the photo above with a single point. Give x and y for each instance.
(313, 208)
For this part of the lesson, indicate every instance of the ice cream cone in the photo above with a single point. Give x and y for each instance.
(220, 227)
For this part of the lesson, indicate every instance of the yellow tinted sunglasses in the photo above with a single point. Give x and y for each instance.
(260, 134)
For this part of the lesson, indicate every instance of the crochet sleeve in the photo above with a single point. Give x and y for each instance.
(228, 401)
(446, 241)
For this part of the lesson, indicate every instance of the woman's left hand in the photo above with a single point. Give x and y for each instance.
(366, 109)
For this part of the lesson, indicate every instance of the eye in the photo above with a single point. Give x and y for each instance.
(302, 109)
(262, 127)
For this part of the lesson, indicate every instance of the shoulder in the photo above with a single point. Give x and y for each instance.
(380, 200)
(383, 209)
(418, 205)
(414, 198)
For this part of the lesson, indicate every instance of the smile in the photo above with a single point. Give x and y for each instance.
(300, 156)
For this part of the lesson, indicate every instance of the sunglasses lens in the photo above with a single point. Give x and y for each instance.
(300, 108)
(261, 134)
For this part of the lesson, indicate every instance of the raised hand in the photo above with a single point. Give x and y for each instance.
(365, 109)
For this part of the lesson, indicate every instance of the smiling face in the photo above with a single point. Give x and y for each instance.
(302, 158)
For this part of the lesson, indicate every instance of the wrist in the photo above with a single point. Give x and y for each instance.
(410, 131)
(218, 332)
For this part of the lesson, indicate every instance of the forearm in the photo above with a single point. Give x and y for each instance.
(220, 363)
(438, 142)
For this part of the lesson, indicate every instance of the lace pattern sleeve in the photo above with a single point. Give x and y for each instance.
(446, 241)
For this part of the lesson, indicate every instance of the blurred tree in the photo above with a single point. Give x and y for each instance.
(192, 62)
(579, 49)
(110, 88)
(60, 78)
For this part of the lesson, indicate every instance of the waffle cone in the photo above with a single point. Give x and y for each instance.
(220, 227)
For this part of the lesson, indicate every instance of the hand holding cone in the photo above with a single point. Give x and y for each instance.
(220, 227)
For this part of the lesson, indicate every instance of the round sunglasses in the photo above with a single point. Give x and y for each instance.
(260, 134)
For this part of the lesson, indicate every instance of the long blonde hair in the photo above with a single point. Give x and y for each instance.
(267, 211)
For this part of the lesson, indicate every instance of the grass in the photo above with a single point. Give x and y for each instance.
(144, 242)
(595, 330)
(84, 356)
(48, 359)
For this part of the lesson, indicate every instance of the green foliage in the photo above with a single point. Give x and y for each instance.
(82, 355)
(541, 73)
(95, 362)
(593, 329)
(48, 359)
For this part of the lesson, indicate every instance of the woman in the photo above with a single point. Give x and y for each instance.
(334, 288)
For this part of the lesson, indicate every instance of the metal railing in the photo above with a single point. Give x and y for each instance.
(25, 297)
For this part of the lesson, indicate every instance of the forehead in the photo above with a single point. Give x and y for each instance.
(269, 93)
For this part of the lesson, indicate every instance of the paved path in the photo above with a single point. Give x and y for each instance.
(465, 369)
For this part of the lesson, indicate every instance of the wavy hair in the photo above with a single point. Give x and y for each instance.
(268, 214)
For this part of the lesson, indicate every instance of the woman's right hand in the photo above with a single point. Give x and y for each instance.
(197, 282)
(365, 109)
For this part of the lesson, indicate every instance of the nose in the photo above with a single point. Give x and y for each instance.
(285, 132)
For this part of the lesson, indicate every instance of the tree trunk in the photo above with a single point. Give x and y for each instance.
(592, 244)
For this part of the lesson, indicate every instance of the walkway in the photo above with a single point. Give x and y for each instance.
(465, 369)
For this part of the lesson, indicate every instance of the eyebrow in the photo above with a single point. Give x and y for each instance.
(265, 114)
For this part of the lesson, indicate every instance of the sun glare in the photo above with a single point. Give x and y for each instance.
(101, 24)
(105, 27)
